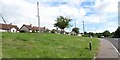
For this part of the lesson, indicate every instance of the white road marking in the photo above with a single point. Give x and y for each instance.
(115, 48)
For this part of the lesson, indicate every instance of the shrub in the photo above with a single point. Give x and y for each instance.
(33, 31)
(53, 31)
(22, 31)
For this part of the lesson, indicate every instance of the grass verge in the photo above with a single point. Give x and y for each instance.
(45, 45)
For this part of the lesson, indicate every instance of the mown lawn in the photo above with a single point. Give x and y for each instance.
(45, 45)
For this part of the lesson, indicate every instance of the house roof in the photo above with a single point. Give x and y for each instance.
(58, 31)
(28, 26)
(41, 28)
(47, 29)
(8, 26)
(35, 27)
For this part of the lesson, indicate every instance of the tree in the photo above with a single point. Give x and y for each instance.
(106, 33)
(112, 34)
(99, 35)
(91, 34)
(117, 33)
(85, 34)
(76, 30)
(62, 23)
(53, 31)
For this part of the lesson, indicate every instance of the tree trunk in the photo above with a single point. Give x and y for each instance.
(62, 31)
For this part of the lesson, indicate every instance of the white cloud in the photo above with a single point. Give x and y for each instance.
(108, 6)
(23, 12)
(72, 11)
(16, 12)
(95, 19)
(71, 1)
(106, 13)
(76, 1)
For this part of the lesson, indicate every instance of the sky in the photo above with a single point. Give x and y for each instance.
(98, 15)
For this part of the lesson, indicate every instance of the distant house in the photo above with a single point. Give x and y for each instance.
(26, 28)
(60, 31)
(30, 28)
(79, 34)
(72, 33)
(42, 29)
(8, 28)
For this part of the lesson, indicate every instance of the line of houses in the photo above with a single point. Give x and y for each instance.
(28, 28)
(24, 28)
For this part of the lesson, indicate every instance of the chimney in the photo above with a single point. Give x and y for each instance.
(10, 24)
(30, 25)
(44, 27)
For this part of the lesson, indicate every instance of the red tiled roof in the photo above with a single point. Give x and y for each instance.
(8, 26)
(37, 28)
(28, 26)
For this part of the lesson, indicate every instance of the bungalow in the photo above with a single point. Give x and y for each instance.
(59, 31)
(72, 33)
(8, 28)
(30, 28)
(42, 29)
(79, 34)
(26, 28)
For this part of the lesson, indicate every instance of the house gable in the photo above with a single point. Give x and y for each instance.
(13, 30)
(8, 27)
(24, 28)
(30, 28)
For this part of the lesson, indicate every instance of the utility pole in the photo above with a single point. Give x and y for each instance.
(38, 16)
(83, 27)
(3, 19)
(96, 30)
(75, 24)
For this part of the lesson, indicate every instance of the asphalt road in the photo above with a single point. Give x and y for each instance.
(115, 42)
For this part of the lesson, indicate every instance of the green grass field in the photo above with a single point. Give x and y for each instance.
(45, 45)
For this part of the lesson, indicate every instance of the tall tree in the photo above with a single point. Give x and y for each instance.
(91, 34)
(76, 30)
(62, 23)
(117, 33)
(106, 33)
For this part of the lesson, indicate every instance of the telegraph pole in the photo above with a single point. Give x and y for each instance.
(3, 19)
(75, 24)
(83, 27)
(96, 30)
(38, 16)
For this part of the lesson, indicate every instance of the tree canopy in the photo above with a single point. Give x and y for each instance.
(106, 33)
(62, 22)
(117, 33)
(76, 30)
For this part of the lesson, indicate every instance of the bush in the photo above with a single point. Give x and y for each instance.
(33, 31)
(53, 31)
(67, 33)
(22, 31)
